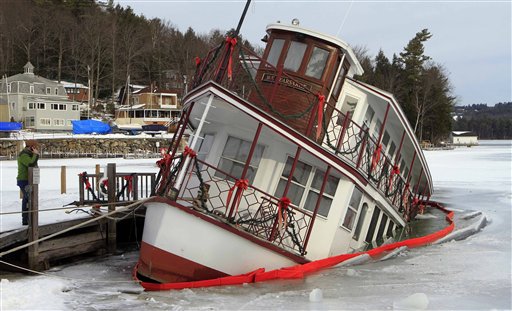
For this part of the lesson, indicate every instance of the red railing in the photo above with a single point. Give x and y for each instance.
(215, 192)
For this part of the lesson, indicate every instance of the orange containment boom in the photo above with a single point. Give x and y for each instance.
(299, 271)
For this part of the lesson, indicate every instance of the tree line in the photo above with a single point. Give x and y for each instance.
(81, 41)
(420, 85)
(488, 122)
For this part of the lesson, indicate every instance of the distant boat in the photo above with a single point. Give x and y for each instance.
(149, 106)
(291, 160)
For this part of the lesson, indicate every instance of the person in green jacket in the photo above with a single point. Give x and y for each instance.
(27, 158)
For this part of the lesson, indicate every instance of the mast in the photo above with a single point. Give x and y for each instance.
(227, 54)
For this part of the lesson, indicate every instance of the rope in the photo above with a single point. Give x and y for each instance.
(61, 277)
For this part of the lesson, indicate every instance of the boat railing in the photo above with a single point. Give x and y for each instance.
(235, 201)
(338, 133)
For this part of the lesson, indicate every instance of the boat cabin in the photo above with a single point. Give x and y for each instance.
(304, 139)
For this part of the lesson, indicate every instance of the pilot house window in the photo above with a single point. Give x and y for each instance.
(275, 52)
(295, 55)
(316, 64)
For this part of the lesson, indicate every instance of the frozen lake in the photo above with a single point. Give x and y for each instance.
(473, 273)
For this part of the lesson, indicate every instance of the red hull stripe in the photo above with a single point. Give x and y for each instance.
(299, 271)
(156, 264)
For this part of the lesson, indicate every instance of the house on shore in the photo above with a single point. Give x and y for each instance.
(464, 138)
(39, 103)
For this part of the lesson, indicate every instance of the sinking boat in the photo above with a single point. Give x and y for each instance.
(291, 160)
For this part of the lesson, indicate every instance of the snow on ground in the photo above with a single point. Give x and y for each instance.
(473, 273)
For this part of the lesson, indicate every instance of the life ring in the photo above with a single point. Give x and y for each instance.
(103, 186)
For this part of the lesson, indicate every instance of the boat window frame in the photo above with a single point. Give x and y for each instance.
(352, 209)
(373, 225)
(308, 186)
(313, 48)
(251, 166)
(311, 43)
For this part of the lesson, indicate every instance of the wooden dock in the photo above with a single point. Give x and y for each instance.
(39, 247)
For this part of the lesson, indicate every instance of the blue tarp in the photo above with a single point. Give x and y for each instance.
(10, 126)
(90, 127)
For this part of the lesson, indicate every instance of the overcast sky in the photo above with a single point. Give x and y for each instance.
(471, 39)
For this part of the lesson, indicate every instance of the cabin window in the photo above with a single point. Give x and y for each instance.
(48, 90)
(376, 130)
(389, 232)
(305, 187)
(385, 140)
(234, 156)
(31, 89)
(360, 221)
(316, 64)
(327, 196)
(275, 51)
(373, 225)
(368, 117)
(56, 91)
(382, 226)
(294, 57)
(206, 146)
(75, 107)
(8, 88)
(392, 149)
(353, 207)
(31, 106)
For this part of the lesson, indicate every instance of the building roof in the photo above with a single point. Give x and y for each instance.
(463, 133)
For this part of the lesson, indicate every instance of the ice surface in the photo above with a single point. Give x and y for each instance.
(316, 295)
(469, 274)
(418, 301)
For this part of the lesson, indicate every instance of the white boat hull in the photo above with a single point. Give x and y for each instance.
(178, 245)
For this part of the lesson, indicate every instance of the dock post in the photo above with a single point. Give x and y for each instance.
(112, 185)
(62, 179)
(33, 217)
(98, 176)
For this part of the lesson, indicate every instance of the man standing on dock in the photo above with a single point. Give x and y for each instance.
(27, 158)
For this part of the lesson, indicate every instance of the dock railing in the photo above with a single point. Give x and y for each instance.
(94, 189)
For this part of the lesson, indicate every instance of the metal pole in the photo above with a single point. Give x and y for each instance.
(193, 143)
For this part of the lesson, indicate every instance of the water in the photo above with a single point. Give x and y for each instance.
(473, 273)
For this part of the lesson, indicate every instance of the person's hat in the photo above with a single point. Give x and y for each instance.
(32, 143)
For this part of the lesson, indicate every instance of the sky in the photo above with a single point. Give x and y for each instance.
(471, 39)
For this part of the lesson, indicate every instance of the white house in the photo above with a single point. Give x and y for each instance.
(39, 103)
(464, 138)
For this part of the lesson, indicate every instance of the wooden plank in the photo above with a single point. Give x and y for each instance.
(12, 237)
(33, 217)
(76, 250)
(71, 241)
